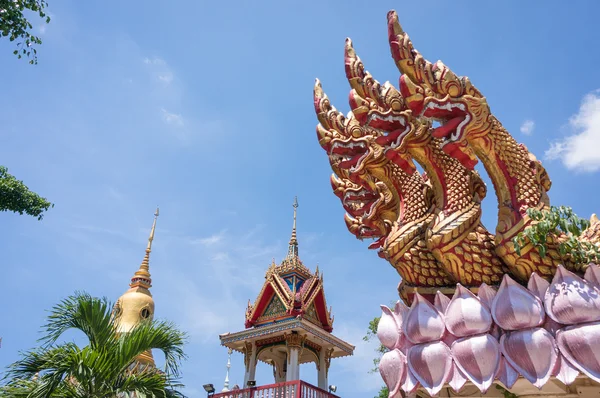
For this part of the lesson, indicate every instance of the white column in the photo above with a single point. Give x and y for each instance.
(250, 362)
(293, 367)
(294, 343)
(279, 369)
(323, 368)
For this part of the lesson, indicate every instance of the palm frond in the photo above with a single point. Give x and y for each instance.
(81, 311)
(158, 335)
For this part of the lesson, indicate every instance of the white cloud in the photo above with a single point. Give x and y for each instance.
(174, 119)
(527, 127)
(160, 70)
(210, 240)
(581, 150)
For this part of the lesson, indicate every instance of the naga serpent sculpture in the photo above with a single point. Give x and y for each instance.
(388, 128)
(409, 200)
(469, 131)
(455, 236)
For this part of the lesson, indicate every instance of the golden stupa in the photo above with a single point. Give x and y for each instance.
(136, 304)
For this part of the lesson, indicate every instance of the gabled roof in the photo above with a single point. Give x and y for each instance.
(290, 290)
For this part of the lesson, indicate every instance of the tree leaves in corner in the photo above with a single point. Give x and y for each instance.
(15, 25)
(16, 197)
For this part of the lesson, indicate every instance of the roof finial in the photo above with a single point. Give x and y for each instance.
(142, 276)
(293, 247)
(226, 384)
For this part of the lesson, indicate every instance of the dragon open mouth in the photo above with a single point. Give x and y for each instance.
(395, 127)
(350, 153)
(360, 203)
(452, 116)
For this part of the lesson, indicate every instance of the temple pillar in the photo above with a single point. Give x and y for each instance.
(279, 369)
(323, 367)
(250, 362)
(295, 344)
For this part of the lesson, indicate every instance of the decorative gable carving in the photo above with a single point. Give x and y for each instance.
(274, 309)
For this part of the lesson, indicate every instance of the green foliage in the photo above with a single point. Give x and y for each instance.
(505, 392)
(103, 368)
(381, 349)
(555, 222)
(383, 393)
(16, 197)
(15, 25)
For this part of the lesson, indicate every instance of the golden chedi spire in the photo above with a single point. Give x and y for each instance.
(142, 275)
(293, 245)
(136, 304)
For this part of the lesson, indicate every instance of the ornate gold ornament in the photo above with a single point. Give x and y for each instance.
(429, 226)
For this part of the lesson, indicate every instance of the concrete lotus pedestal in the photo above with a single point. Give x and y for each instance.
(543, 340)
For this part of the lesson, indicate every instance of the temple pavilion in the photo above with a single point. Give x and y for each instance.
(287, 325)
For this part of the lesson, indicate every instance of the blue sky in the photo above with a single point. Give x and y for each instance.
(205, 108)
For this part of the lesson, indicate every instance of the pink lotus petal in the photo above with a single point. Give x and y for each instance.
(515, 307)
(506, 373)
(486, 295)
(400, 311)
(457, 378)
(441, 301)
(392, 368)
(465, 315)
(431, 363)
(592, 274)
(411, 383)
(478, 358)
(423, 323)
(564, 371)
(388, 331)
(532, 353)
(538, 285)
(580, 345)
(571, 300)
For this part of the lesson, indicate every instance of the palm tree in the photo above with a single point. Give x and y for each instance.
(106, 367)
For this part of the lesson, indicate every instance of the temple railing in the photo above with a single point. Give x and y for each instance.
(289, 389)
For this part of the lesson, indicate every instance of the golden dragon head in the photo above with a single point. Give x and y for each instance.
(350, 147)
(371, 205)
(366, 208)
(384, 111)
(433, 91)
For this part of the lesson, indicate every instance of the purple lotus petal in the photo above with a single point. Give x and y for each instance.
(565, 371)
(424, 323)
(532, 353)
(411, 383)
(486, 295)
(457, 378)
(571, 300)
(392, 368)
(441, 301)
(506, 373)
(431, 363)
(515, 307)
(478, 358)
(466, 315)
(580, 345)
(538, 286)
(388, 331)
(592, 274)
